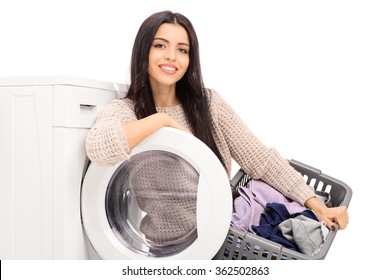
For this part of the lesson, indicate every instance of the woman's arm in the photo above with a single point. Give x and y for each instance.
(328, 215)
(136, 131)
(106, 143)
(255, 158)
(261, 162)
(117, 131)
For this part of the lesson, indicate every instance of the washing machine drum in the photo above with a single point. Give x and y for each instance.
(170, 200)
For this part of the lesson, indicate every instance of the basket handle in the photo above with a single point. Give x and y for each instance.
(296, 163)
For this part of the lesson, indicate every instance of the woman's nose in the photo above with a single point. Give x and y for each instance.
(170, 54)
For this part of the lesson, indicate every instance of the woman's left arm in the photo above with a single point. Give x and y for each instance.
(255, 158)
(266, 164)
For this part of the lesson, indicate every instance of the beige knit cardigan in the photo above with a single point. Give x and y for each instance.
(106, 144)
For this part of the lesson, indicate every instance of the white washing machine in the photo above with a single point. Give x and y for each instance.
(43, 123)
(54, 204)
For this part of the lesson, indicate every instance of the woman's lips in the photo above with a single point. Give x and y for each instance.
(168, 68)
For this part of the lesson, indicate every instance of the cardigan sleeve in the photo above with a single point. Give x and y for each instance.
(106, 143)
(255, 158)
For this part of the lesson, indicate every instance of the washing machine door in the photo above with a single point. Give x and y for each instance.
(170, 200)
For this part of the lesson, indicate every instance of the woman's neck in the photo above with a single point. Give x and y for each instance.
(165, 97)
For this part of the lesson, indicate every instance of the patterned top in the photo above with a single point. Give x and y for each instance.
(106, 144)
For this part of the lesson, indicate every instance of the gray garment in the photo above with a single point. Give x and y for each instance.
(165, 186)
(309, 235)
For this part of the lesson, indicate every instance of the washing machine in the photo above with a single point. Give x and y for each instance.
(43, 123)
(170, 200)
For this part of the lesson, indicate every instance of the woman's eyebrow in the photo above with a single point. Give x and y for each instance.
(165, 40)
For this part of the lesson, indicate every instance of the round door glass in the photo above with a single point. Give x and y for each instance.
(151, 203)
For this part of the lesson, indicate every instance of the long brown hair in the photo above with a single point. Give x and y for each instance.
(190, 89)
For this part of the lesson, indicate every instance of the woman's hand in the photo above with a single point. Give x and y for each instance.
(331, 215)
(171, 122)
(136, 131)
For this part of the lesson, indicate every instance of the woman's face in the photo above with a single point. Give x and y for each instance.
(169, 55)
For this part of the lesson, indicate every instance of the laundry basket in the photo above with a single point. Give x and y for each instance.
(240, 245)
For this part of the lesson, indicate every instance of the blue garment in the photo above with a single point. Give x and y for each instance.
(274, 214)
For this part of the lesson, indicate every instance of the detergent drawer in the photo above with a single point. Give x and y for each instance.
(78, 106)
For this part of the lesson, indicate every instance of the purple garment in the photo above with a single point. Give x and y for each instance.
(252, 201)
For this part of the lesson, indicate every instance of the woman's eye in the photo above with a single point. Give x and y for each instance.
(183, 51)
(159, 46)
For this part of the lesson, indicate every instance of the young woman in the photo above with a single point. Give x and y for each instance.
(167, 90)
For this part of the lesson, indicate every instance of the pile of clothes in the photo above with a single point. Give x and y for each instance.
(262, 210)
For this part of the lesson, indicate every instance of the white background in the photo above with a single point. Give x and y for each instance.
(308, 77)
